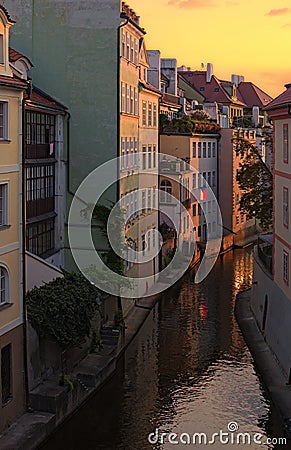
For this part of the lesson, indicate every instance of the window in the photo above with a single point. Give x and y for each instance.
(154, 156)
(237, 220)
(285, 143)
(154, 237)
(6, 385)
(149, 199)
(127, 46)
(204, 178)
(285, 207)
(4, 286)
(123, 45)
(143, 201)
(194, 149)
(209, 178)
(214, 149)
(199, 231)
(209, 150)
(123, 100)
(194, 181)
(204, 149)
(199, 149)
(40, 135)
(213, 179)
(144, 113)
(154, 115)
(40, 237)
(131, 110)
(40, 189)
(4, 219)
(135, 102)
(128, 99)
(150, 114)
(286, 267)
(149, 156)
(144, 157)
(166, 188)
(3, 120)
(194, 209)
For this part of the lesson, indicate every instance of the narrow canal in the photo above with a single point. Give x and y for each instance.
(188, 371)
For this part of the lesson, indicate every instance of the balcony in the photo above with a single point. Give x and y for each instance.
(265, 244)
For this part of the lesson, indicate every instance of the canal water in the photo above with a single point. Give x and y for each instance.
(188, 371)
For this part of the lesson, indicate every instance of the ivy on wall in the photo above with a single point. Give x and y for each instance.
(62, 310)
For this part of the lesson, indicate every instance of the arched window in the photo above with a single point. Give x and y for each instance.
(4, 285)
(165, 186)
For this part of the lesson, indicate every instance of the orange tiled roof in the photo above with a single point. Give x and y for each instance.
(40, 98)
(282, 99)
(212, 91)
(14, 55)
(252, 95)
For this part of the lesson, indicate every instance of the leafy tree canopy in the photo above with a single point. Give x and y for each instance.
(255, 180)
(62, 310)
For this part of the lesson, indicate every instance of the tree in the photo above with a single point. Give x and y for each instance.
(256, 181)
(62, 310)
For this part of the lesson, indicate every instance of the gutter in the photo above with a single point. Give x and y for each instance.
(23, 188)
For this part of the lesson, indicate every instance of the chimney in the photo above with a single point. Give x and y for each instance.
(154, 71)
(209, 72)
(237, 79)
(169, 69)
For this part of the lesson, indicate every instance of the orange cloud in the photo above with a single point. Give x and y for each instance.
(191, 3)
(278, 12)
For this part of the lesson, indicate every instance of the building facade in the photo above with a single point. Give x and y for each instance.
(79, 73)
(12, 88)
(271, 294)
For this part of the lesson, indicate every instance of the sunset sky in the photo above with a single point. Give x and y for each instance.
(246, 37)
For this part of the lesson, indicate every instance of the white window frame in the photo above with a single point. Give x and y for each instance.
(4, 272)
(5, 135)
(6, 219)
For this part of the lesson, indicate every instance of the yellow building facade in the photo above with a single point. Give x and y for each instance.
(12, 87)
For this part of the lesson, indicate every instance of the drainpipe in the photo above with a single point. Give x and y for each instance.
(122, 16)
(23, 188)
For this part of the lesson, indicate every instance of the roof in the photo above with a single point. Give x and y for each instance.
(282, 99)
(7, 14)
(212, 91)
(252, 95)
(149, 87)
(14, 56)
(13, 81)
(172, 100)
(40, 98)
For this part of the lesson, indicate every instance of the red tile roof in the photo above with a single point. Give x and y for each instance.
(40, 98)
(14, 55)
(212, 91)
(252, 95)
(282, 99)
(12, 82)
(150, 87)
